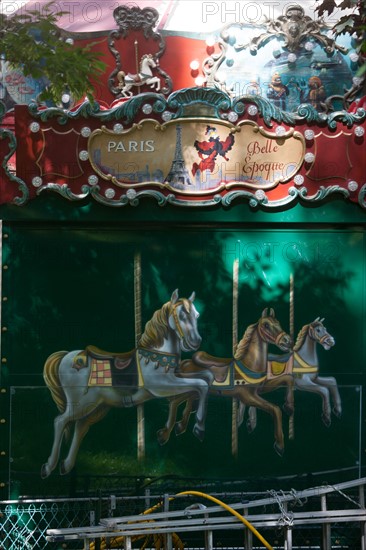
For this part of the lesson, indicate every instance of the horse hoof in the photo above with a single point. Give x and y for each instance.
(63, 470)
(279, 450)
(179, 428)
(326, 420)
(161, 437)
(44, 471)
(200, 434)
(250, 427)
(337, 412)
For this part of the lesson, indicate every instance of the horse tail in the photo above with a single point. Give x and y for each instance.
(121, 77)
(52, 379)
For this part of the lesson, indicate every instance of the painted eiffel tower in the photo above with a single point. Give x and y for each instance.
(178, 174)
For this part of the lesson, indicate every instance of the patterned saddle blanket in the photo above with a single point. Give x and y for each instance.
(109, 369)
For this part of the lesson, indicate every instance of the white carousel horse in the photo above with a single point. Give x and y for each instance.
(144, 76)
(145, 373)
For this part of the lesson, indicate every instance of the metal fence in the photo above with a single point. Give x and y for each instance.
(24, 523)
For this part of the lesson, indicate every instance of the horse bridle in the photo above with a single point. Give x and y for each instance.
(314, 337)
(270, 338)
(176, 320)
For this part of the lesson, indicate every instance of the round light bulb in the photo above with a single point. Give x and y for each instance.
(194, 65)
(199, 81)
(309, 46)
(354, 57)
(210, 41)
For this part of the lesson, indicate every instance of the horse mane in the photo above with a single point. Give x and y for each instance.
(241, 348)
(157, 329)
(144, 57)
(301, 337)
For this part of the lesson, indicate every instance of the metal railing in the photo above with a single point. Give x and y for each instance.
(325, 517)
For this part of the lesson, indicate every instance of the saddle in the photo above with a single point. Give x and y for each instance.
(135, 77)
(219, 366)
(120, 360)
(278, 365)
(108, 368)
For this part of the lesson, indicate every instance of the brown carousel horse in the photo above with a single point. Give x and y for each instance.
(241, 377)
(304, 364)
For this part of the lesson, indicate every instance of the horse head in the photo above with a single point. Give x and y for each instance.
(147, 60)
(271, 331)
(319, 333)
(183, 321)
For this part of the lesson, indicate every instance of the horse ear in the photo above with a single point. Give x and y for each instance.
(265, 312)
(271, 312)
(174, 297)
(322, 320)
(192, 297)
(316, 320)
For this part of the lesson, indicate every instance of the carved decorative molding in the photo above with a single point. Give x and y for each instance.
(304, 52)
(242, 149)
(136, 19)
(294, 27)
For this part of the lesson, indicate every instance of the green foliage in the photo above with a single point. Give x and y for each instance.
(353, 23)
(33, 42)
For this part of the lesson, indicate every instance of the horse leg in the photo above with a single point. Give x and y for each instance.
(249, 396)
(270, 385)
(191, 402)
(252, 419)
(307, 384)
(181, 426)
(81, 428)
(331, 383)
(164, 433)
(126, 90)
(200, 386)
(60, 423)
(199, 426)
(240, 414)
(285, 380)
(137, 398)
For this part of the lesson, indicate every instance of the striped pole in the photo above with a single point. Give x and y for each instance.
(138, 331)
(234, 413)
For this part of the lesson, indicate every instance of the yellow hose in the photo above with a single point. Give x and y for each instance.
(232, 511)
(176, 539)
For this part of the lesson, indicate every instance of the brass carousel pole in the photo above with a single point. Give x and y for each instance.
(137, 301)
(137, 62)
(234, 417)
(291, 425)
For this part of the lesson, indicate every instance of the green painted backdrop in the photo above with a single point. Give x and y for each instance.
(66, 286)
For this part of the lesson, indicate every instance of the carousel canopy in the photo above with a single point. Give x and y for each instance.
(183, 16)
